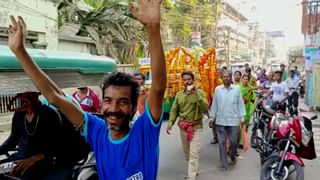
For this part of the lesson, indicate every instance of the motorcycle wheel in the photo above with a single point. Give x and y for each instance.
(268, 170)
(252, 138)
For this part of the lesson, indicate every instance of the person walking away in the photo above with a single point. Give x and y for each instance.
(88, 99)
(293, 98)
(121, 151)
(189, 106)
(228, 112)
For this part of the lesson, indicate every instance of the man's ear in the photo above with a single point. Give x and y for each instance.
(134, 109)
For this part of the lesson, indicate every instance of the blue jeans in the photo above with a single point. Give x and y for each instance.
(233, 133)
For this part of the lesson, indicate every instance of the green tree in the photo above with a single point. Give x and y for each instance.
(182, 17)
(107, 22)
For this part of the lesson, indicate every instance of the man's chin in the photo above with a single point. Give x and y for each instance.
(114, 128)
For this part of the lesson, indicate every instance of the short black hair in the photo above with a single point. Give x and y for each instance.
(237, 72)
(283, 65)
(228, 72)
(245, 75)
(140, 74)
(188, 73)
(224, 68)
(122, 79)
(278, 72)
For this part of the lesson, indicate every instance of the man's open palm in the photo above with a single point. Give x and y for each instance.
(147, 11)
(17, 31)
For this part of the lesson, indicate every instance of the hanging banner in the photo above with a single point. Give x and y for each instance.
(311, 54)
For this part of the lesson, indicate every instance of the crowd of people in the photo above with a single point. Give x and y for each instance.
(52, 135)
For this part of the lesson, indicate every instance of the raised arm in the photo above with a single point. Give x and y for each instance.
(17, 33)
(149, 15)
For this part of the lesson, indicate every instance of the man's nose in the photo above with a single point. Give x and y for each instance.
(114, 107)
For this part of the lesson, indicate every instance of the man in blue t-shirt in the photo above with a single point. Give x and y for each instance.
(122, 152)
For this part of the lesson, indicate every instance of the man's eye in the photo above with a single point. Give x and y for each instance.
(106, 100)
(123, 102)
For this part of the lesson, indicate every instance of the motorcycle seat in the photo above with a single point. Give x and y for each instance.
(309, 116)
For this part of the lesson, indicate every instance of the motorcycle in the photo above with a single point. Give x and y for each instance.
(294, 140)
(260, 129)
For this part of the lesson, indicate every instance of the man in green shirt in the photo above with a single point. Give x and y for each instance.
(284, 75)
(189, 105)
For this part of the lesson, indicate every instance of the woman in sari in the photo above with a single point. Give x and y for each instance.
(249, 98)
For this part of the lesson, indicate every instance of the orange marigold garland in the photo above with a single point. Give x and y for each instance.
(177, 61)
(208, 72)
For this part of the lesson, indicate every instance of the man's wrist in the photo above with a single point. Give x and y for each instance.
(153, 29)
(20, 51)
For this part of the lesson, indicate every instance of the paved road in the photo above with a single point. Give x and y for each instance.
(173, 166)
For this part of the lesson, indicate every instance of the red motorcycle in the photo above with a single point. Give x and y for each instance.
(294, 140)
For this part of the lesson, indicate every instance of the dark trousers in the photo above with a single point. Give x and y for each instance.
(293, 99)
(233, 133)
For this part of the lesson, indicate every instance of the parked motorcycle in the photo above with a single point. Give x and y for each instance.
(261, 134)
(294, 140)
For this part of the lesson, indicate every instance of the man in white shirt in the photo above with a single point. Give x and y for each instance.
(279, 91)
(293, 85)
(228, 111)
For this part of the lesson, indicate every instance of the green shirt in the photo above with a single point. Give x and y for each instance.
(284, 76)
(189, 107)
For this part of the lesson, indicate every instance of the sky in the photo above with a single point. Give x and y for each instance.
(275, 15)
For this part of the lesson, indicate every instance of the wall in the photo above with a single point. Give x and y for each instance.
(316, 84)
(235, 31)
(77, 44)
(40, 16)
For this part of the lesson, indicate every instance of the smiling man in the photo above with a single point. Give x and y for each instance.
(122, 153)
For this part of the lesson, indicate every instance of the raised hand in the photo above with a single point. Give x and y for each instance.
(147, 12)
(17, 34)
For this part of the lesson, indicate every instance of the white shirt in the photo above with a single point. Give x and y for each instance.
(279, 90)
(292, 83)
(227, 107)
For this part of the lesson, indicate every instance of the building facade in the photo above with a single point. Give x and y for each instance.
(233, 37)
(310, 28)
(41, 16)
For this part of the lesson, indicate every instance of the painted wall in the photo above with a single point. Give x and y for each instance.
(40, 16)
(316, 84)
(73, 46)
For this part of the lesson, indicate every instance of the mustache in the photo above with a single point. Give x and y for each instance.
(116, 114)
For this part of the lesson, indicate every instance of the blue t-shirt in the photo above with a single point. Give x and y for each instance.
(133, 157)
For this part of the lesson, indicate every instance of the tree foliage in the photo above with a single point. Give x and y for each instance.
(183, 17)
(107, 22)
(123, 38)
